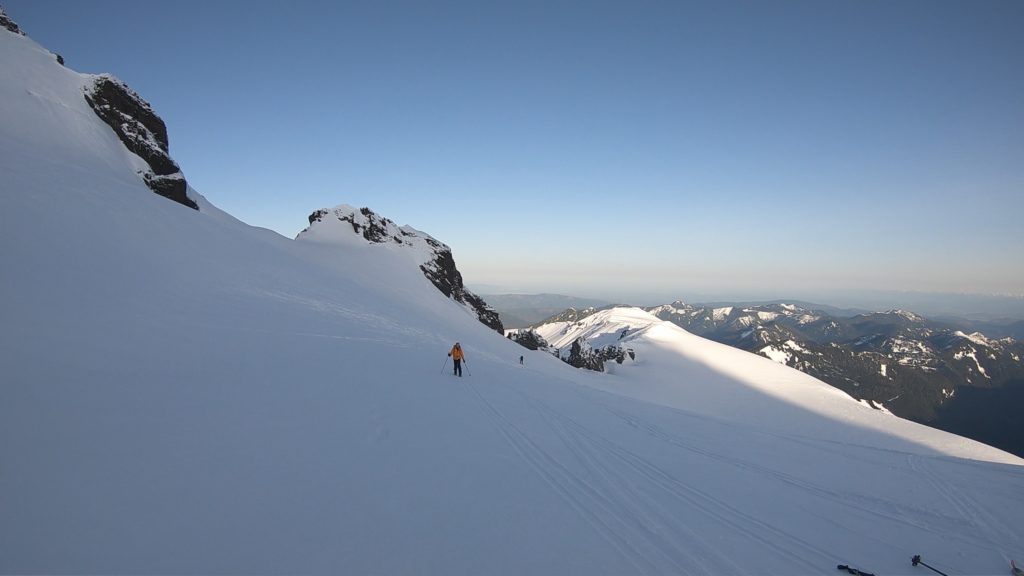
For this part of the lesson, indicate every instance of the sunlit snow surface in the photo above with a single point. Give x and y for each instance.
(182, 393)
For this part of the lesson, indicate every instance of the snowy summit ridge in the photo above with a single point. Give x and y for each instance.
(434, 258)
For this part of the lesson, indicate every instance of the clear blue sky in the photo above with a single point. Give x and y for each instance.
(602, 148)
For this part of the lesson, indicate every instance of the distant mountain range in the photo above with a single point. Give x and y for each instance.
(994, 316)
(522, 310)
(933, 372)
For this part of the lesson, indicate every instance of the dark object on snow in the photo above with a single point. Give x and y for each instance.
(9, 24)
(917, 560)
(1016, 571)
(528, 339)
(581, 355)
(142, 132)
(854, 571)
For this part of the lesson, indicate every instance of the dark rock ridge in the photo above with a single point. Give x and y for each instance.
(528, 339)
(582, 355)
(142, 132)
(9, 24)
(438, 264)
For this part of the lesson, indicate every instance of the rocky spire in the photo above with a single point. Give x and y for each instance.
(6, 22)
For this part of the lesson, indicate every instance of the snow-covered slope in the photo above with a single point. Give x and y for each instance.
(344, 224)
(676, 368)
(182, 393)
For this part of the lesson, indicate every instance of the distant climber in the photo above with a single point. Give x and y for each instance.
(457, 357)
(520, 359)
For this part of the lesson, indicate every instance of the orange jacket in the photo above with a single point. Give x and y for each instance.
(456, 353)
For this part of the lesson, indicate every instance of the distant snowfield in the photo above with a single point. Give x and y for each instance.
(183, 393)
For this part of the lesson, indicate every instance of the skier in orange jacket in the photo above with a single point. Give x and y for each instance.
(457, 357)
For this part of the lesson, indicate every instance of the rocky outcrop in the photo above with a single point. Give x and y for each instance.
(528, 339)
(581, 355)
(142, 132)
(443, 274)
(435, 258)
(366, 223)
(10, 25)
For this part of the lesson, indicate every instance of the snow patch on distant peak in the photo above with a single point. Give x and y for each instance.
(782, 355)
(601, 328)
(673, 308)
(745, 321)
(973, 355)
(720, 314)
(909, 316)
(976, 337)
(775, 354)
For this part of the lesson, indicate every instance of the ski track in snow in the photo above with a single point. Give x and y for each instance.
(971, 523)
(572, 489)
(715, 508)
(646, 518)
(876, 506)
(968, 509)
(622, 496)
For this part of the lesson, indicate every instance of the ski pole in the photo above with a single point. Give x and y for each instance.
(468, 373)
(917, 560)
(445, 364)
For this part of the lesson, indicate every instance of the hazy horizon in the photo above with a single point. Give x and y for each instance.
(931, 304)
